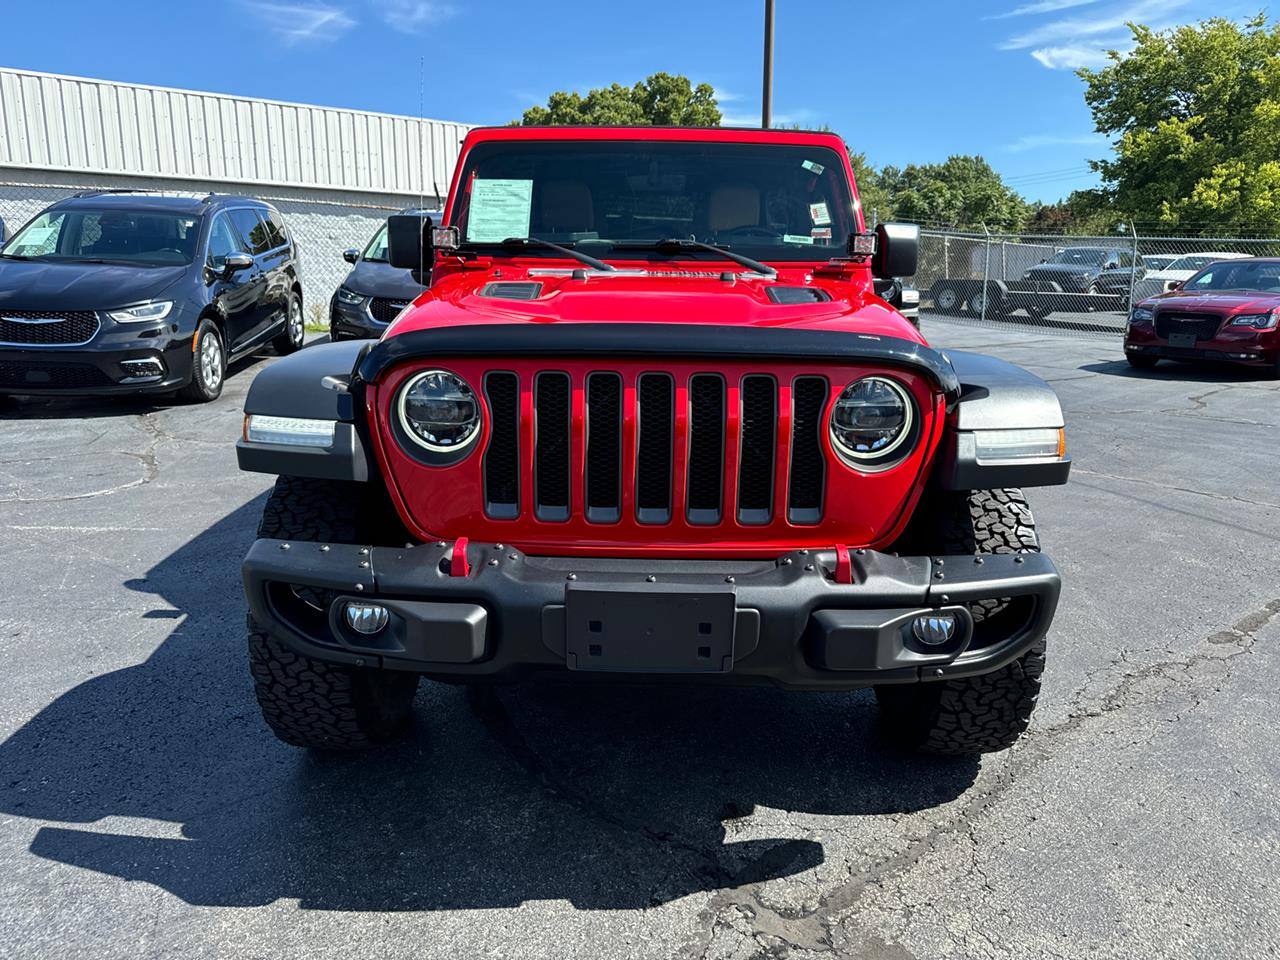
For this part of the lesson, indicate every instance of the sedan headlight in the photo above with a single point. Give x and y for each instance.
(350, 297)
(142, 312)
(1142, 315)
(1259, 321)
(871, 421)
(439, 411)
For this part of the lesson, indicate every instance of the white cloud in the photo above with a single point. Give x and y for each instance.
(1043, 6)
(725, 96)
(1036, 141)
(412, 16)
(802, 116)
(301, 22)
(1070, 57)
(1079, 28)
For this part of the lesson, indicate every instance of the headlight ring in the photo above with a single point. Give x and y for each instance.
(438, 413)
(874, 424)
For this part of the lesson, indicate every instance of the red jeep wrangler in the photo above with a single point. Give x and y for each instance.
(651, 420)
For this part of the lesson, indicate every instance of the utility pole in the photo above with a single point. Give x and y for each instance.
(767, 101)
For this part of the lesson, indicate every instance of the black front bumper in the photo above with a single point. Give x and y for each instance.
(784, 621)
(156, 364)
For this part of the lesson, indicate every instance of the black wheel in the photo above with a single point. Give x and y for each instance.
(980, 304)
(1038, 313)
(308, 702)
(295, 327)
(966, 715)
(1141, 361)
(208, 365)
(947, 299)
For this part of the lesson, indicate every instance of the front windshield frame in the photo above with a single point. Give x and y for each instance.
(672, 201)
(63, 239)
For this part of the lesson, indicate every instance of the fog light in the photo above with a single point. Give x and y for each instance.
(142, 368)
(367, 618)
(934, 629)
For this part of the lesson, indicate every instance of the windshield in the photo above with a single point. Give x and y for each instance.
(1079, 255)
(767, 201)
(1194, 262)
(1261, 276)
(125, 236)
(376, 251)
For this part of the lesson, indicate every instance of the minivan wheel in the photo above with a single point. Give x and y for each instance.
(294, 328)
(208, 365)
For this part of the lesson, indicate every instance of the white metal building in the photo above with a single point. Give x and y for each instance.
(333, 173)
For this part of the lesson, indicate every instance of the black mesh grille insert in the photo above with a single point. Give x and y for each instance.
(808, 467)
(47, 328)
(604, 448)
(1204, 326)
(384, 310)
(502, 459)
(551, 456)
(755, 471)
(656, 397)
(706, 448)
(42, 375)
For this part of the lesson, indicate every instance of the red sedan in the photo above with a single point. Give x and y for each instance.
(1227, 311)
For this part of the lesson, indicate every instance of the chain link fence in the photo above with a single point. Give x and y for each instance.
(1076, 285)
(323, 227)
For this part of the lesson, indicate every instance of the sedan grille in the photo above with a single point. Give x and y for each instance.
(1204, 325)
(64, 328)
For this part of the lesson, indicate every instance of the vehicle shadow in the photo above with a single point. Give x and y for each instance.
(610, 798)
(1204, 371)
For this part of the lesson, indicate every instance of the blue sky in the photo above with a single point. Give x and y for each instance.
(904, 82)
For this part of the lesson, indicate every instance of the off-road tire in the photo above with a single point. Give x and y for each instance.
(967, 715)
(205, 387)
(1140, 361)
(308, 702)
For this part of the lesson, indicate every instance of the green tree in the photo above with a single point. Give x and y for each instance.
(871, 191)
(962, 192)
(659, 99)
(1196, 114)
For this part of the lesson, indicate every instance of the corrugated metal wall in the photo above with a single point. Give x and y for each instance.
(53, 122)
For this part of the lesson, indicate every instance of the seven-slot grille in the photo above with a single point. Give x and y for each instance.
(384, 309)
(47, 328)
(1204, 325)
(701, 447)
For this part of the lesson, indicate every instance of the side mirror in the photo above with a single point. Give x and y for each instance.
(897, 250)
(351, 256)
(1175, 285)
(234, 263)
(409, 241)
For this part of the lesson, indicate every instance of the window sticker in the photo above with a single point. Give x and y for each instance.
(796, 238)
(820, 233)
(37, 237)
(814, 168)
(819, 215)
(499, 209)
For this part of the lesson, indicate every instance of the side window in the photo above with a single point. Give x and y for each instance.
(252, 227)
(222, 241)
(1126, 258)
(276, 235)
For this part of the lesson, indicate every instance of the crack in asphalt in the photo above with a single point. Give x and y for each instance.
(1148, 482)
(148, 459)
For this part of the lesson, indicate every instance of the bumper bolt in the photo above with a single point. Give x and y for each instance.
(364, 551)
(937, 672)
(809, 567)
(364, 564)
(497, 546)
(572, 576)
(939, 575)
(728, 580)
(493, 563)
(651, 579)
(978, 561)
(1018, 559)
(324, 548)
(284, 546)
(860, 551)
(359, 661)
(512, 556)
(786, 561)
(359, 588)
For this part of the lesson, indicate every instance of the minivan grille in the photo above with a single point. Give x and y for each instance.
(47, 328)
(384, 310)
(732, 458)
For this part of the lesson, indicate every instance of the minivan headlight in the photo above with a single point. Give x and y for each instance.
(350, 297)
(439, 411)
(870, 421)
(142, 312)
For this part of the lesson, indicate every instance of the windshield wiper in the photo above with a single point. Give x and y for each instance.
(675, 244)
(591, 262)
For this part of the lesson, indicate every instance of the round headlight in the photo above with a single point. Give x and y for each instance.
(871, 419)
(439, 411)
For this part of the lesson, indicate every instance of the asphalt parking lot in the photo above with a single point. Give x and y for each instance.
(145, 811)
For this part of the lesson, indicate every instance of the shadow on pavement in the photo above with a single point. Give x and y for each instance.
(1205, 371)
(619, 797)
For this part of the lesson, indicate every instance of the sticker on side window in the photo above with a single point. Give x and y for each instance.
(499, 209)
(819, 215)
(814, 168)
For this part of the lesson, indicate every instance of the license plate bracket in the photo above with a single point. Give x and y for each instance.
(1184, 340)
(623, 628)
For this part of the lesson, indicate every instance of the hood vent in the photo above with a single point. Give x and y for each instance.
(798, 295)
(512, 290)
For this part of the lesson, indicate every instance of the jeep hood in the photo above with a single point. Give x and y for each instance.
(49, 285)
(658, 296)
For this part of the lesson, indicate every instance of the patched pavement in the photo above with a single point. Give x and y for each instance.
(145, 811)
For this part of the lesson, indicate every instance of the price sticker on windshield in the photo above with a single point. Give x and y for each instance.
(819, 215)
(499, 210)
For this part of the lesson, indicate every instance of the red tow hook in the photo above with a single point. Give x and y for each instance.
(459, 566)
(844, 566)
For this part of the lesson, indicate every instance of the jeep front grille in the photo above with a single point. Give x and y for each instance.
(651, 446)
(47, 328)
